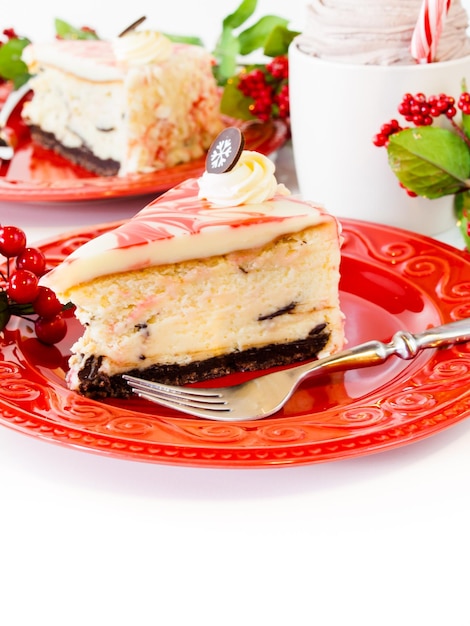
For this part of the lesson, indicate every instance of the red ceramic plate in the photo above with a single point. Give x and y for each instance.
(38, 175)
(391, 280)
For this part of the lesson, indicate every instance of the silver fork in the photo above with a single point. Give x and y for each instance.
(263, 396)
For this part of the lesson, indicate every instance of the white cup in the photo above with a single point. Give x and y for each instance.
(336, 109)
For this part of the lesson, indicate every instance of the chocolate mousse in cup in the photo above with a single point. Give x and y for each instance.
(348, 72)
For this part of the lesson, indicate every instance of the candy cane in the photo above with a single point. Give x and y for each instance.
(428, 29)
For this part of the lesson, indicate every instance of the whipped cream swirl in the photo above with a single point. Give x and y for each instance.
(376, 32)
(142, 47)
(251, 181)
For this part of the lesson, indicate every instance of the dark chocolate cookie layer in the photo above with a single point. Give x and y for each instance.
(95, 384)
(80, 156)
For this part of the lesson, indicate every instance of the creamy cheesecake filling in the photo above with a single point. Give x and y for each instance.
(79, 113)
(193, 311)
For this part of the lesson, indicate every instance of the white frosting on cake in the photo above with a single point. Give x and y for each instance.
(251, 181)
(142, 47)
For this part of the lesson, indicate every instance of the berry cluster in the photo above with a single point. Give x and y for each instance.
(268, 87)
(20, 292)
(422, 111)
(464, 103)
(386, 130)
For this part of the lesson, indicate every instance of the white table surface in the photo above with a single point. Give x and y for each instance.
(85, 539)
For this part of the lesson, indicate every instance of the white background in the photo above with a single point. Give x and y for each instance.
(87, 540)
(35, 19)
(186, 17)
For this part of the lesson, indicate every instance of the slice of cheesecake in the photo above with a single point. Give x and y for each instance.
(189, 290)
(134, 105)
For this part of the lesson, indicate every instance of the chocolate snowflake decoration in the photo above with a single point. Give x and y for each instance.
(225, 151)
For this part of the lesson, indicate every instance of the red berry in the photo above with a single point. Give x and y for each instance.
(50, 330)
(279, 67)
(10, 33)
(46, 304)
(32, 259)
(412, 194)
(281, 99)
(12, 241)
(252, 83)
(23, 286)
(465, 107)
(380, 140)
(464, 103)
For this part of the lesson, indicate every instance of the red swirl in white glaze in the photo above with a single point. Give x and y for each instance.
(92, 60)
(177, 227)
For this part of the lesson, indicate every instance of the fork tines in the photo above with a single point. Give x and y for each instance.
(178, 397)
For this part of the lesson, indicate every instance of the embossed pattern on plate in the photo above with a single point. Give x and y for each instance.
(391, 280)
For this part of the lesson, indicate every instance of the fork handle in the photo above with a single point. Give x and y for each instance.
(403, 344)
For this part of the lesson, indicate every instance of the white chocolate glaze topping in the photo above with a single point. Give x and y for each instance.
(178, 226)
(99, 60)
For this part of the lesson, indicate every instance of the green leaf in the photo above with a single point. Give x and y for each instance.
(194, 41)
(226, 53)
(67, 31)
(254, 37)
(11, 65)
(462, 211)
(431, 161)
(240, 15)
(278, 41)
(463, 225)
(234, 103)
(466, 124)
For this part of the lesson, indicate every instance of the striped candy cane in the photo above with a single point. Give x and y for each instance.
(428, 29)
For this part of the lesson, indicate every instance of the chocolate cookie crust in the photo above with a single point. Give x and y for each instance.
(95, 384)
